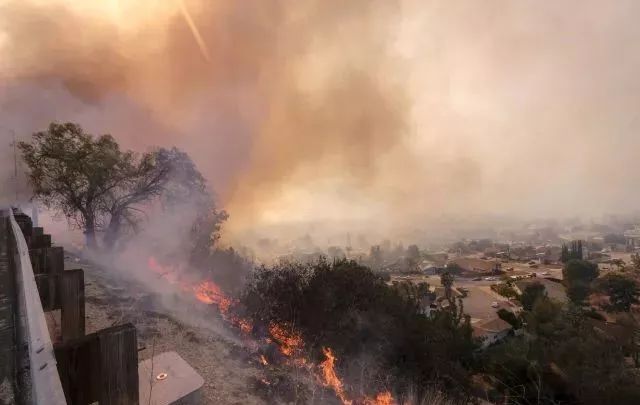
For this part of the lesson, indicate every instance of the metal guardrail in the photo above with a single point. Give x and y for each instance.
(43, 383)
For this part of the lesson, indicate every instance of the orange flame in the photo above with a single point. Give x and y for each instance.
(383, 398)
(265, 382)
(330, 378)
(244, 325)
(209, 293)
(168, 273)
(289, 342)
(206, 291)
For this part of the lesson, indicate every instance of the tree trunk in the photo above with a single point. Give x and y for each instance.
(90, 236)
(113, 232)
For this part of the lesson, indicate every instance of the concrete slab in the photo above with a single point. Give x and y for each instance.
(169, 380)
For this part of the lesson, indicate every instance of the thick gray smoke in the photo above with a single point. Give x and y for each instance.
(385, 114)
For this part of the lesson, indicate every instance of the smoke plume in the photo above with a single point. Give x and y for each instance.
(385, 113)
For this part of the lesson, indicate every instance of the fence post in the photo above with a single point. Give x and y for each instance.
(37, 260)
(102, 366)
(48, 266)
(119, 366)
(71, 295)
(54, 267)
(41, 241)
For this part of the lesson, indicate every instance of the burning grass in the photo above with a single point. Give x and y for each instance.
(289, 342)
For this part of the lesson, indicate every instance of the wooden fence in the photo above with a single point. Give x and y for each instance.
(101, 366)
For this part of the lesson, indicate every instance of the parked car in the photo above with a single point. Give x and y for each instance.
(546, 273)
(495, 304)
(476, 279)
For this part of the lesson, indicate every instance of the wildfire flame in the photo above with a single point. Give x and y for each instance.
(206, 292)
(289, 342)
(209, 293)
(265, 382)
(383, 398)
(330, 378)
(164, 272)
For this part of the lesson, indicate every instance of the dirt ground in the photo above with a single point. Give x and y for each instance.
(226, 366)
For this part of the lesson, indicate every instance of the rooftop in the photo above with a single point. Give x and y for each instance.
(490, 326)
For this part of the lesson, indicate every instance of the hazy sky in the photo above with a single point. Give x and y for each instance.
(386, 112)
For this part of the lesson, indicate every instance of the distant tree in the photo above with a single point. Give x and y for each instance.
(532, 293)
(336, 253)
(446, 279)
(579, 271)
(505, 289)
(90, 180)
(578, 275)
(578, 292)
(412, 258)
(572, 252)
(509, 317)
(375, 257)
(564, 254)
(576, 250)
(635, 261)
(454, 268)
(623, 291)
(413, 252)
(619, 263)
(413, 292)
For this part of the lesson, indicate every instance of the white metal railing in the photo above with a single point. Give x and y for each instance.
(44, 384)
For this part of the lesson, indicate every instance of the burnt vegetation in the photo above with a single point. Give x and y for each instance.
(386, 343)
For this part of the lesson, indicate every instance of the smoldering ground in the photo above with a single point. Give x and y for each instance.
(388, 114)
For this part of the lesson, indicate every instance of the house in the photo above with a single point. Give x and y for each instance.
(548, 254)
(436, 300)
(632, 238)
(491, 331)
(438, 258)
(473, 265)
(431, 268)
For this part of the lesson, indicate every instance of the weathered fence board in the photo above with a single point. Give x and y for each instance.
(72, 304)
(102, 366)
(49, 262)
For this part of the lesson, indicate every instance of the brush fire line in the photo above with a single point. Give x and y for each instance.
(290, 344)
